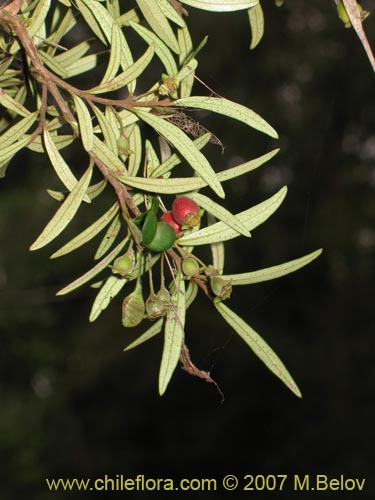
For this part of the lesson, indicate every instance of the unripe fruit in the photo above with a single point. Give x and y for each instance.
(164, 296)
(168, 217)
(164, 238)
(133, 308)
(186, 211)
(190, 266)
(220, 287)
(149, 228)
(124, 264)
(154, 307)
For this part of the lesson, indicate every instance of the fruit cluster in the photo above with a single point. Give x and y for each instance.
(160, 235)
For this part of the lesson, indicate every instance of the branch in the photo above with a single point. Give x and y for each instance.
(190, 368)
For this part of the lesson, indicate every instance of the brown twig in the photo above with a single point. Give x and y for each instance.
(190, 368)
(54, 83)
(121, 190)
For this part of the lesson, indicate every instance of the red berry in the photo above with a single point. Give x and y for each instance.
(168, 217)
(186, 211)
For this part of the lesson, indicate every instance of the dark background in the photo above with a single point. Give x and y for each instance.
(73, 404)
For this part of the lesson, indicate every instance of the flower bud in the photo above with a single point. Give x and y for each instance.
(169, 86)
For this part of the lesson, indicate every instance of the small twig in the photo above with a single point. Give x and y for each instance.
(123, 196)
(190, 368)
(54, 82)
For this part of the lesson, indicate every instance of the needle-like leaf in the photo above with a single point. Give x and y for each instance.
(65, 213)
(259, 346)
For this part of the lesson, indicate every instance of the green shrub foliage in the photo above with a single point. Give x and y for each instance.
(153, 264)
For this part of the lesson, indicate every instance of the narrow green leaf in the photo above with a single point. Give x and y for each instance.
(113, 8)
(231, 110)
(85, 123)
(220, 213)
(98, 268)
(173, 336)
(186, 147)
(185, 75)
(130, 15)
(52, 64)
(135, 145)
(147, 335)
(152, 158)
(58, 32)
(106, 129)
(96, 189)
(12, 104)
(256, 20)
(65, 213)
(38, 17)
(71, 56)
(56, 195)
(244, 168)
(171, 13)
(8, 152)
(221, 5)
(252, 218)
(115, 55)
(128, 76)
(83, 65)
(95, 24)
(217, 249)
(155, 17)
(60, 141)
(109, 237)
(161, 49)
(271, 273)
(259, 346)
(4, 65)
(112, 287)
(127, 117)
(89, 233)
(105, 20)
(59, 164)
(18, 130)
(107, 156)
(191, 293)
(175, 159)
(179, 185)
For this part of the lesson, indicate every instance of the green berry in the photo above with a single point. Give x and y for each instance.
(220, 287)
(164, 238)
(124, 264)
(190, 266)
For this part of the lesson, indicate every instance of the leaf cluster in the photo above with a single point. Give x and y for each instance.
(43, 110)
